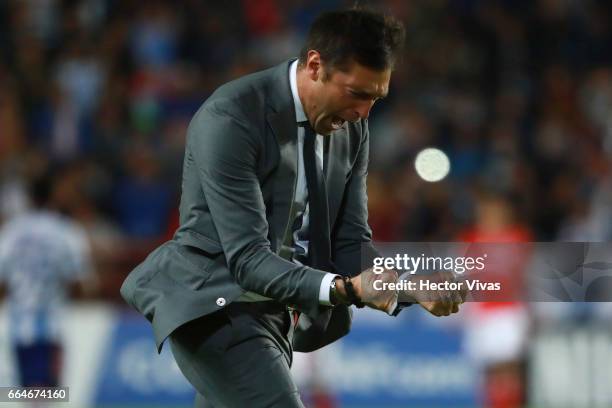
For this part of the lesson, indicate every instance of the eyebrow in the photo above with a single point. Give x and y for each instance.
(364, 94)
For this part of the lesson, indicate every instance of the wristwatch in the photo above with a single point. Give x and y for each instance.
(350, 293)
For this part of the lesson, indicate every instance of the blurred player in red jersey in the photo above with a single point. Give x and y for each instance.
(496, 331)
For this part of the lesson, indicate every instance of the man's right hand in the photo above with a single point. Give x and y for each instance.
(384, 300)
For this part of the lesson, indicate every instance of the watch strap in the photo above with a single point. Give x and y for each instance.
(350, 292)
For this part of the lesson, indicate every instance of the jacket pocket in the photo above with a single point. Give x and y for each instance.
(202, 242)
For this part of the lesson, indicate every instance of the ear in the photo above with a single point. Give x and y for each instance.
(313, 67)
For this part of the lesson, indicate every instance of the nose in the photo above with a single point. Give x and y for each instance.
(363, 109)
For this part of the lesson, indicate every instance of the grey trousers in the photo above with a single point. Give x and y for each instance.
(239, 357)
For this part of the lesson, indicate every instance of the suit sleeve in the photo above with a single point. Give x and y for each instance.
(352, 240)
(352, 237)
(226, 151)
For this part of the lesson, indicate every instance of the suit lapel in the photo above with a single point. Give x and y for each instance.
(335, 176)
(281, 118)
(285, 129)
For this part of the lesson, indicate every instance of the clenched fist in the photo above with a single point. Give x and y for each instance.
(436, 293)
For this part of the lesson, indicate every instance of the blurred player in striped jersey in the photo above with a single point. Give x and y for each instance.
(42, 255)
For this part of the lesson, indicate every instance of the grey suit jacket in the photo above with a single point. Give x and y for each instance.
(239, 179)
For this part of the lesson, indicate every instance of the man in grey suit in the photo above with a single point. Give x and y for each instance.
(274, 228)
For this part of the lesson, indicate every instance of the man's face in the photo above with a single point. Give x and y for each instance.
(343, 95)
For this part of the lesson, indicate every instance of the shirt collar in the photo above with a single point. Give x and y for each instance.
(300, 116)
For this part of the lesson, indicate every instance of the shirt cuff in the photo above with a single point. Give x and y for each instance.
(324, 289)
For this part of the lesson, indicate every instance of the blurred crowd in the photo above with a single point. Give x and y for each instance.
(517, 92)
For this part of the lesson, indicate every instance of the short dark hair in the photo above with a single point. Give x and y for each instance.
(360, 35)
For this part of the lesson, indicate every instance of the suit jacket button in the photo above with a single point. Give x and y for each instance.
(221, 302)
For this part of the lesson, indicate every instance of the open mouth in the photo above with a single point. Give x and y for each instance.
(337, 122)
